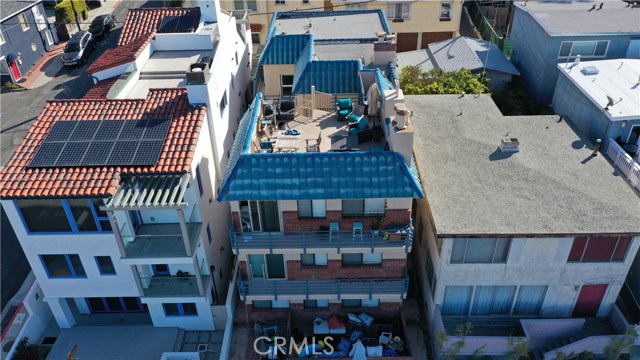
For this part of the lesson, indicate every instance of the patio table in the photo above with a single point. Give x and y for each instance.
(344, 143)
(287, 142)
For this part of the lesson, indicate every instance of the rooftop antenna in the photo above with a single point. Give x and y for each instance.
(611, 102)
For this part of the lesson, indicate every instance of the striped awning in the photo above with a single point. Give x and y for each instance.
(150, 191)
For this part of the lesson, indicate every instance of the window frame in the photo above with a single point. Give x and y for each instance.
(254, 36)
(306, 304)
(199, 181)
(573, 43)
(40, 21)
(444, 10)
(22, 18)
(2, 39)
(493, 259)
(364, 213)
(74, 272)
(405, 11)
(223, 102)
(180, 310)
(315, 260)
(245, 4)
(280, 2)
(101, 270)
(284, 85)
(613, 252)
(361, 261)
(70, 219)
(313, 208)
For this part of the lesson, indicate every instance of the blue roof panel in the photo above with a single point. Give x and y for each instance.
(330, 76)
(285, 49)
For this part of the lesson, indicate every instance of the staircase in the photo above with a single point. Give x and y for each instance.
(591, 327)
(538, 354)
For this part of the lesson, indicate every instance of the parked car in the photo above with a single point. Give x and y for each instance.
(78, 48)
(101, 25)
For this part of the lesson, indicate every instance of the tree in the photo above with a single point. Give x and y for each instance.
(26, 351)
(451, 352)
(519, 349)
(71, 11)
(620, 344)
(414, 81)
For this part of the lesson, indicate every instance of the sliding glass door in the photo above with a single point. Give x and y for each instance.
(269, 266)
(260, 216)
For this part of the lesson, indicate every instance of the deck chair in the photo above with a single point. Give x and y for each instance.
(357, 231)
(314, 147)
(343, 108)
(262, 147)
(269, 135)
(334, 229)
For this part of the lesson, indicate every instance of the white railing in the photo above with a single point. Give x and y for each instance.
(625, 163)
(323, 101)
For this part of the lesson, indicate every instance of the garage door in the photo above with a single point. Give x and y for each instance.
(431, 37)
(407, 41)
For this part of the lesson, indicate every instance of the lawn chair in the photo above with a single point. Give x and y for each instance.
(343, 108)
(314, 147)
(262, 147)
(334, 229)
(269, 135)
(357, 231)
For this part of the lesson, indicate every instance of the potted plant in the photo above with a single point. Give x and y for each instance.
(377, 133)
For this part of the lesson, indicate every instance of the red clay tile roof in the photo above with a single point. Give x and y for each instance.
(19, 181)
(100, 90)
(146, 20)
(120, 55)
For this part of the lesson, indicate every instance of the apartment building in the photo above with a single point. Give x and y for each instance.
(416, 23)
(322, 215)
(523, 232)
(111, 196)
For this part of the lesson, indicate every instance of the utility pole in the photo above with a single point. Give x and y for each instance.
(75, 14)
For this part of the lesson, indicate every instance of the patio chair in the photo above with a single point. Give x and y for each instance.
(286, 111)
(314, 147)
(357, 114)
(343, 108)
(334, 229)
(262, 147)
(269, 135)
(357, 230)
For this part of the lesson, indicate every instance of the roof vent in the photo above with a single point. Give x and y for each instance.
(590, 70)
(509, 145)
(199, 72)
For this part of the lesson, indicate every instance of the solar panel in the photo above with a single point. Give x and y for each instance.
(47, 154)
(186, 23)
(133, 130)
(148, 152)
(102, 142)
(61, 131)
(85, 130)
(72, 153)
(168, 24)
(98, 153)
(122, 153)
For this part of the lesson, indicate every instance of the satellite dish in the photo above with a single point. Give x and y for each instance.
(610, 101)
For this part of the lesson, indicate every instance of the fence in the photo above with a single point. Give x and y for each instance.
(625, 163)
(486, 30)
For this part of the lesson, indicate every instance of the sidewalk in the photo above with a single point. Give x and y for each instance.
(46, 69)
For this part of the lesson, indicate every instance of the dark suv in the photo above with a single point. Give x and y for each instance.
(78, 48)
(101, 25)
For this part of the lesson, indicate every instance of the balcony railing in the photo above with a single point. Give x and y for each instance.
(624, 162)
(172, 285)
(374, 239)
(160, 240)
(337, 287)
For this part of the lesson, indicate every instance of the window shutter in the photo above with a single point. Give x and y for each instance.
(319, 208)
(373, 207)
(304, 208)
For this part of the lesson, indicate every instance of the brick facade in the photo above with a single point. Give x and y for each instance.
(389, 269)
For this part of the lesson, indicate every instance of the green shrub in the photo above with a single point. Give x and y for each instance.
(64, 11)
(414, 81)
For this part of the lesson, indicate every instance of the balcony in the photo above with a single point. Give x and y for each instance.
(623, 161)
(172, 285)
(394, 237)
(338, 287)
(161, 240)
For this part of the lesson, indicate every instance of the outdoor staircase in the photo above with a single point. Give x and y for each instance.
(538, 354)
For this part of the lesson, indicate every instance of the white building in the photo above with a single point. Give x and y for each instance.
(547, 233)
(112, 220)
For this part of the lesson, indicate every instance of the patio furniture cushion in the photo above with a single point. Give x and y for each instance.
(385, 337)
(354, 118)
(355, 335)
(335, 323)
(374, 351)
(366, 319)
(320, 327)
(363, 124)
(344, 104)
(344, 345)
(353, 318)
(343, 113)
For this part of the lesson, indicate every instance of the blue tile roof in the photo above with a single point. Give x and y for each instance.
(300, 176)
(330, 76)
(286, 49)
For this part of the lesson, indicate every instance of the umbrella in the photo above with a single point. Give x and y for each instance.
(358, 352)
(373, 97)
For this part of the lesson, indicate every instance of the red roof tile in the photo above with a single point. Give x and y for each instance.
(120, 55)
(100, 90)
(19, 181)
(146, 20)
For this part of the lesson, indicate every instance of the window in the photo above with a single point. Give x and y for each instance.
(44, 215)
(373, 303)
(456, 300)
(529, 300)
(431, 276)
(314, 259)
(255, 38)
(493, 300)
(223, 103)
(209, 234)
(634, 135)
(180, 309)
(316, 304)
(2, 40)
(115, 304)
(312, 208)
(599, 249)
(199, 181)
(246, 5)
(270, 304)
(23, 21)
(398, 11)
(73, 215)
(445, 11)
(351, 303)
(480, 250)
(305, 1)
(105, 265)
(357, 6)
(366, 207)
(286, 82)
(361, 259)
(583, 48)
(281, 2)
(63, 266)
(41, 23)
(233, 84)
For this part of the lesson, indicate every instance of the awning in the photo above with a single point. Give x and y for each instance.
(256, 27)
(150, 191)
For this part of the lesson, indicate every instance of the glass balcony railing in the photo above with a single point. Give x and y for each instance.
(160, 240)
(170, 286)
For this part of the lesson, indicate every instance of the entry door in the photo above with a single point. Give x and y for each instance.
(260, 216)
(589, 300)
(267, 266)
(15, 70)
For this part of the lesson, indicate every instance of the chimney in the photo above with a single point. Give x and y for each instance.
(209, 10)
(384, 52)
(199, 72)
(402, 111)
(509, 145)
